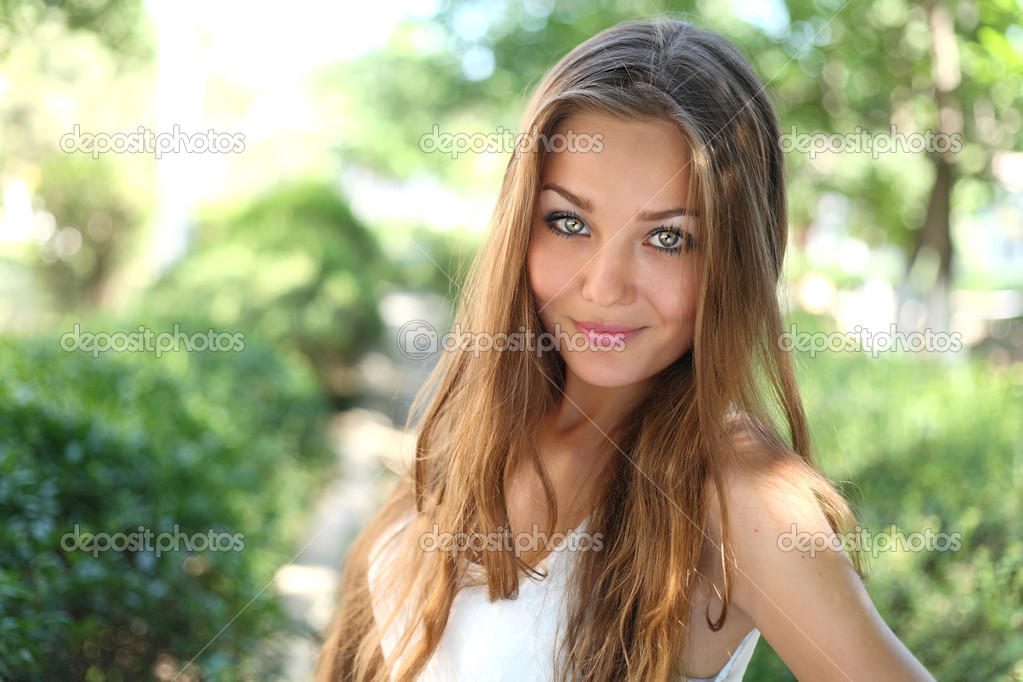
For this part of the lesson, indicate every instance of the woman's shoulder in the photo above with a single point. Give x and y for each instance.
(769, 495)
(763, 480)
(790, 573)
(756, 461)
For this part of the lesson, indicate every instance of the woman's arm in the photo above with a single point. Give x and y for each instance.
(812, 610)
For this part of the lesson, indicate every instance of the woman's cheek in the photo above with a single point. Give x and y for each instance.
(673, 290)
(541, 297)
(549, 270)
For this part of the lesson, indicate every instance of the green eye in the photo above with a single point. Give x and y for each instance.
(573, 225)
(668, 240)
(671, 241)
(565, 225)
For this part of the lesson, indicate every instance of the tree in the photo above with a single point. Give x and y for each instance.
(851, 69)
(120, 25)
(65, 63)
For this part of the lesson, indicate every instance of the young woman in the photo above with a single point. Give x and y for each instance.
(662, 437)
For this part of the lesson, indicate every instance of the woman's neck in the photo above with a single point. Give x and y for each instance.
(585, 407)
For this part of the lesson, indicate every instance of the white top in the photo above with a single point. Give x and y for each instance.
(511, 639)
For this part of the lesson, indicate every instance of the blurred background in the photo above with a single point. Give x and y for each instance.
(263, 194)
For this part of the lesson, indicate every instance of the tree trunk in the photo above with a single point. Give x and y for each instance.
(936, 232)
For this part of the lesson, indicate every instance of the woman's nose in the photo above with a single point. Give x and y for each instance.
(607, 276)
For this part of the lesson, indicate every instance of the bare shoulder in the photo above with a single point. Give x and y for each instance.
(761, 482)
(805, 597)
(766, 493)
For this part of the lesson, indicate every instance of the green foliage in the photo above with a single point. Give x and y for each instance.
(293, 268)
(438, 262)
(96, 60)
(829, 67)
(121, 25)
(94, 199)
(227, 446)
(929, 445)
(431, 79)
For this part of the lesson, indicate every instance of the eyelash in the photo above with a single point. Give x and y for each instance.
(688, 242)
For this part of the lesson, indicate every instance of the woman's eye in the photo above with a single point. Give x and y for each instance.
(672, 241)
(574, 225)
(565, 224)
(667, 239)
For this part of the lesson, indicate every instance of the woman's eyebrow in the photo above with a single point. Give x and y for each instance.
(586, 205)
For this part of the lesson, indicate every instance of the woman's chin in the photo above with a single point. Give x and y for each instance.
(603, 372)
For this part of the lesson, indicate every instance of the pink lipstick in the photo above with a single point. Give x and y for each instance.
(606, 334)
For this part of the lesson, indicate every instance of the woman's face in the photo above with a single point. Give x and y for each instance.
(613, 256)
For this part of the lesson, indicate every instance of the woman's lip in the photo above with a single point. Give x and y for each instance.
(607, 336)
(605, 328)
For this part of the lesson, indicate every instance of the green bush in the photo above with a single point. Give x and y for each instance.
(228, 442)
(294, 268)
(929, 444)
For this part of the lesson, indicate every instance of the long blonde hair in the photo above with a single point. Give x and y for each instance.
(477, 414)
